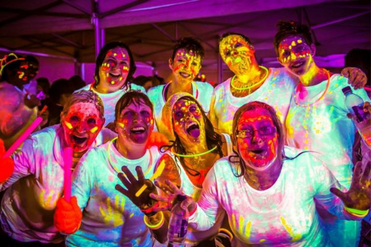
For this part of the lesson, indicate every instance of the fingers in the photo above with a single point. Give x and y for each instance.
(366, 176)
(120, 189)
(357, 173)
(159, 197)
(173, 187)
(338, 193)
(128, 174)
(140, 174)
(124, 180)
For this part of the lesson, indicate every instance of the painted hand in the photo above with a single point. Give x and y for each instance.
(31, 101)
(6, 164)
(359, 194)
(168, 197)
(67, 216)
(143, 201)
(356, 77)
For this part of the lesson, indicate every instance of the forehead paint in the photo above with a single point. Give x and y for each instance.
(247, 119)
(114, 64)
(189, 58)
(290, 51)
(184, 106)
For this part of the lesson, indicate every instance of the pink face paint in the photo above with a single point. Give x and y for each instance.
(136, 122)
(81, 125)
(115, 67)
(257, 138)
(187, 118)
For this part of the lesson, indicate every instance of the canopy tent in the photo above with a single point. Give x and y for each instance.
(76, 29)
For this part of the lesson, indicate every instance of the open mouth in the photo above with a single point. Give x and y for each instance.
(138, 130)
(115, 76)
(193, 130)
(184, 75)
(79, 140)
(297, 65)
(258, 152)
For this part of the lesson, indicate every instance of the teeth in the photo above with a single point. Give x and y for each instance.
(138, 129)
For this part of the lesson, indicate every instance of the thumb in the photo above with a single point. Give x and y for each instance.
(338, 193)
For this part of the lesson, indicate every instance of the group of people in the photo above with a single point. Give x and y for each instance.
(263, 158)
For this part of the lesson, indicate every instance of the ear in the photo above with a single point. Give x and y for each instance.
(171, 63)
(313, 49)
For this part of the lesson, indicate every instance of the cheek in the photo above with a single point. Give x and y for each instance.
(125, 69)
(178, 67)
(105, 67)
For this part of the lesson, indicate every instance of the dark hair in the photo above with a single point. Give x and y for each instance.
(276, 121)
(135, 97)
(10, 63)
(102, 55)
(77, 82)
(232, 33)
(31, 59)
(44, 83)
(289, 28)
(189, 43)
(212, 139)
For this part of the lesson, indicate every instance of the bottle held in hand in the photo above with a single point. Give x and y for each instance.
(362, 121)
(178, 223)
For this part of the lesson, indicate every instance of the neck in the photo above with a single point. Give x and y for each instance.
(177, 86)
(263, 180)
(313, 76)
(132, 151)
(253, 76)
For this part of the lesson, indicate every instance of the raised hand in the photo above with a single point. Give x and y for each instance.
(157, 139)
(67, 216)
(359, 194)
(356, 77)
(31, 101)
(143, 201)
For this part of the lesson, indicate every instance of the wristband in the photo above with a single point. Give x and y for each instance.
(149, 211)
(156, 226)
(228, 233)
(356, 212)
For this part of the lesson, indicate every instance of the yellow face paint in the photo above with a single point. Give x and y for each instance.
(69, 125)
(93, 130)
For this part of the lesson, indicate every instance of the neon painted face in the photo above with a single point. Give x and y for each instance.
(135, 123)
(185, 65)
(187, 119)
(295, 55)
(27, 71)
(257, 139)
(115, 68)
(236, 53)
(81, 126)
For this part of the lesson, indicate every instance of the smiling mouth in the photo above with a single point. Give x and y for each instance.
(184, 75)
(114, 75)
(79, 140)
(138, 130)
(297, 65)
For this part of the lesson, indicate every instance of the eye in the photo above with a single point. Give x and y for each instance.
(227, 53)
(178, 115)
(74, 118)
(193, 108)
(238, 44)
(181, 60)
(145, 114)
(129, 114)
(91, 121)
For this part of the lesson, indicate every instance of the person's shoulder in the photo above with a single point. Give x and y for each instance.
(222, 165)
(222, 86)
(42, 139)
(204, 86)
(137, 88)
(153, 91)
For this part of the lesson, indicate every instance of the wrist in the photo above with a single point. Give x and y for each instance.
(356, 212)
(155, 221)
(149, 211)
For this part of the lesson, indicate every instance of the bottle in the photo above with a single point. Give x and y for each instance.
(178, 223)
(354, 103)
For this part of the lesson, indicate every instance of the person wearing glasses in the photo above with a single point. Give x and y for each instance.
(269, 190)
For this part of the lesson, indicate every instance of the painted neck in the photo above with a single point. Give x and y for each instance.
(254, 75)
(313, 76)
(132, 151)
(263, 180)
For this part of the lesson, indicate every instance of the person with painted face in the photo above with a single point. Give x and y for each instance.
(18, 109)
(36, 184)
(98, 214)
(252, 82)
(317, 119)
(197, 147)
(185, 64)
(269, 190)
(115, 67)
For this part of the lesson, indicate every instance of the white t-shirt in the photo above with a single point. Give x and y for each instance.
(275, 91)
(28, 205)
(285, 214)
(109, 217)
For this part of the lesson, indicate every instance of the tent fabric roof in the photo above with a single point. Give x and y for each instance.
(65, 27)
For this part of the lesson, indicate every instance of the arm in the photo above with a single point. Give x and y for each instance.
(357, 78)
(13, 112)
(212, 116)
(24, 162)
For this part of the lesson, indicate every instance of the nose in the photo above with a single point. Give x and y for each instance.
(256, 138)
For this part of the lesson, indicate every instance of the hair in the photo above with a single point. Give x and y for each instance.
(276, 121)
(131, 97)
(189, 44)
(239, 34)
(77, 82)
(44, 83)
(212, 138)
(102, 55)
(85, 96)
(31, 59)
(10, 63)
(289, 28)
